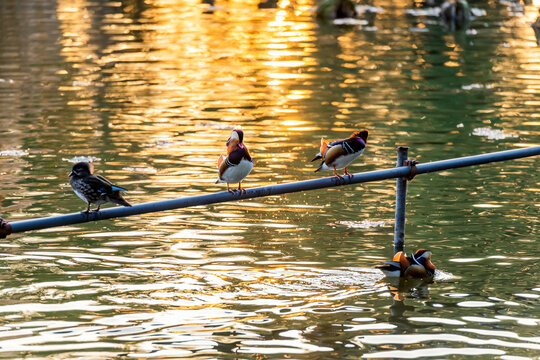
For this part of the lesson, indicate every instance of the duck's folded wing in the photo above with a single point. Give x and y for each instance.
(224, 165)
(99, 184)
(392, 268)
(390, 265)
(333, 153)
(106, 184)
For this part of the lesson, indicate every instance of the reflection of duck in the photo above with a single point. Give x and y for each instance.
(211, 6)
(268, 4)
(234, 167)
(336, 9)
(416, 287)
(339, 154)
(456, 13)
(416, 266)
(536, 28)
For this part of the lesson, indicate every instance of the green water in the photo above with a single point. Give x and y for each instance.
(151, 90)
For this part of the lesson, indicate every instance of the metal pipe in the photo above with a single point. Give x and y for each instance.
(398, 172)
(401, 196)
(478, 159)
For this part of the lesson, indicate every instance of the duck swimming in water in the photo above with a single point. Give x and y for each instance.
(417, 266)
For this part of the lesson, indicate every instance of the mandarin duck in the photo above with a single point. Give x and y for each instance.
(339, 154)
(94, 189)
(234, 167)
(419, 265)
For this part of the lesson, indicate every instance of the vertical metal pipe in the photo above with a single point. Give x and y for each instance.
(401, 197)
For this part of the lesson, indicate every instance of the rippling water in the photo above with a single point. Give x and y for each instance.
(150, 90)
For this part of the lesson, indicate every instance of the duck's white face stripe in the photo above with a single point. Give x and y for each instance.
(424, 255)
(234, 135)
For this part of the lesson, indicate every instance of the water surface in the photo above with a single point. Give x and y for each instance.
(150, 90)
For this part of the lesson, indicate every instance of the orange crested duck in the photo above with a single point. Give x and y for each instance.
(419, 265)
(339, 154)
(234, 167)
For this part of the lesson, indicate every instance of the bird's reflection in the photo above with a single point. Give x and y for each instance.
(416, 287)
(210, 8)
(536, 28)
(456, 14)
(400, 288)
(268, 4)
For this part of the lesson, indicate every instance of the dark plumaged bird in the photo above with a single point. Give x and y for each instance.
(234, 167)
(418, 265)
(94, 189)
(456, 14)
(339, 154)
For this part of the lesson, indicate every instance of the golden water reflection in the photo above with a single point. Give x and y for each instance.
(163, 96)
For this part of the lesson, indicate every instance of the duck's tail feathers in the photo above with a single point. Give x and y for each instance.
(118, 188)
(119, 200)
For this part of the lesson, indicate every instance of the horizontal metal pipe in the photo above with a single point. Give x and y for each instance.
(478, 159)
(81, 217)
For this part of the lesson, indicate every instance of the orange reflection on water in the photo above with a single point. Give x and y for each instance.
(179, 78)
(522, 59)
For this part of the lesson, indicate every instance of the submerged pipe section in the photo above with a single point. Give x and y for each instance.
(398, 172)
